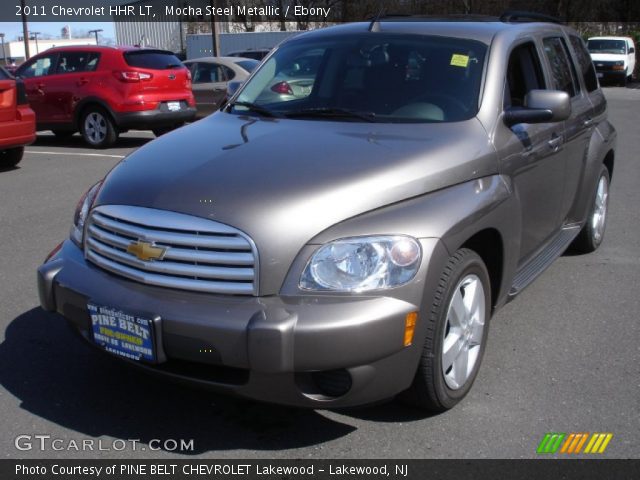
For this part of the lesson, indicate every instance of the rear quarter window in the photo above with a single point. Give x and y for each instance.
(153, 60)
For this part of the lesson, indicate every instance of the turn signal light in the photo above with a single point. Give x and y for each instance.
(410, 322)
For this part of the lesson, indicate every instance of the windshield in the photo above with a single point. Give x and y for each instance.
(607, 46)
(369, 76)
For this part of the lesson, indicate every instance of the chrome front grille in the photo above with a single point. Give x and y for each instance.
(199, 254)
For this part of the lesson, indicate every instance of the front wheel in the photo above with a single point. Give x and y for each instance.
(11, 157)
(97, 128)
(457, 328)
(592, 233)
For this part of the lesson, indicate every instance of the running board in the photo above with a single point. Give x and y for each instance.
(538, 264)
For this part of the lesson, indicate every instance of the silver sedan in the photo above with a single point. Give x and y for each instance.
(210, 76)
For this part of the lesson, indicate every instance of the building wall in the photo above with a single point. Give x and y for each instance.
(201, 45)
(165, 35)
(15, 50)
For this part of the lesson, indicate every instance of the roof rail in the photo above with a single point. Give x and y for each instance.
(453, 17)
(518, 16)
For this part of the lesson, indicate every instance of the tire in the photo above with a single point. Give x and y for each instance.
(592, 233)
(11, 157)
(97, 128)
(440, 382)
(63, 134)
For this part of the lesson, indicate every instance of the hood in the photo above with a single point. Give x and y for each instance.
(282, 182)
(608, 57)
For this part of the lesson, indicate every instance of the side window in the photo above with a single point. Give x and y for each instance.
(524, 74)
(228, 73)
(72, 62)
(562, 69)
(207, 73)
(38, 68)
(92, 62)
(585, 63)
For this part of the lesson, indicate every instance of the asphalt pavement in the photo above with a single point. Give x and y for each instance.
(563, 357)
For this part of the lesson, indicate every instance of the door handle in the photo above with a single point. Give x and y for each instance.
(555, 142)
(588, 122)
(82, 81)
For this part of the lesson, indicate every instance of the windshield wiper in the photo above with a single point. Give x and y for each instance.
(331, 112)
(252, 107)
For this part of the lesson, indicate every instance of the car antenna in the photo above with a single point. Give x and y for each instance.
(374, 26)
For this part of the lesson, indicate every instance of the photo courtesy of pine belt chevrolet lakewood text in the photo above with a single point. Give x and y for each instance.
(342, 229)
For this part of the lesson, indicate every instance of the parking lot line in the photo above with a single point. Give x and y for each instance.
(73, 153)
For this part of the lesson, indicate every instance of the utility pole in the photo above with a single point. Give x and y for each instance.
(35, 37)
(4, 54)
(215, 36)
(25, 32)
(95, 32)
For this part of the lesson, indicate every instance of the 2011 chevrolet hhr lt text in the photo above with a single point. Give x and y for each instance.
(342, 230)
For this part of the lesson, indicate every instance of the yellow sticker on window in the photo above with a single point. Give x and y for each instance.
(458, 60)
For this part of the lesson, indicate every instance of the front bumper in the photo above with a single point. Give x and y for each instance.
(280, 349)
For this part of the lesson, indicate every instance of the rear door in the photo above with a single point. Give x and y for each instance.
(170, 81)
(66, 84)
(209, 86)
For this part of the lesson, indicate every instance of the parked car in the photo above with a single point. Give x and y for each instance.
(614, 57)
(102, 91)
(17, 120)
(211, 76)
(255, 53)
(350, 245)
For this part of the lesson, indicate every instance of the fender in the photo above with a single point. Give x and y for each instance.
(453, 215)
(90, 100)
(602, 143)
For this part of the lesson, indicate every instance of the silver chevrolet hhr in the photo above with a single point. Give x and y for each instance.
(342, 230)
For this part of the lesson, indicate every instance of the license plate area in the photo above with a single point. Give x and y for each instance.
(173, 106)
(121, 333)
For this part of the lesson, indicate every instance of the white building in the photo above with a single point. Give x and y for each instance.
(15, 50)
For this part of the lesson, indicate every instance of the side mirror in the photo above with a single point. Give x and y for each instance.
(632, 50)
(540, 106)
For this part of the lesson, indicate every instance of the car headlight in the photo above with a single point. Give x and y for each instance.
(82, 212)
(619, 63)
(360, 264)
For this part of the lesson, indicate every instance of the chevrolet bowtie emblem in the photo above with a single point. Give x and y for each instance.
(146, 251)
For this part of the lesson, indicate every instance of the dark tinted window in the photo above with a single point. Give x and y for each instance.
(228, 73)
(585, 63)
(92, 63)
(561, 68)
(248, 65)
(70, 62)
(524, 74)
(204, 72)
(152, 59)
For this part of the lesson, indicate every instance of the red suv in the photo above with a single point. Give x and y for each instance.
(102, 91)
(17, 120)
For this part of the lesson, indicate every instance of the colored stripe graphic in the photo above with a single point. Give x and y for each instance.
(598, 443)
(574, 443)
(552, 442)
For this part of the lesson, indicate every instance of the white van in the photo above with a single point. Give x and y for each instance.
(613, 57)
